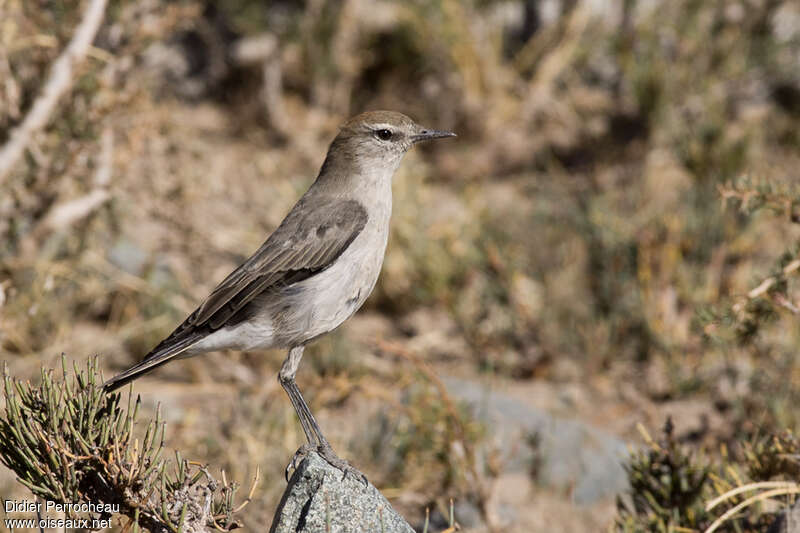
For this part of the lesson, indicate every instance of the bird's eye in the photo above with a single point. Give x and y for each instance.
(383, 135)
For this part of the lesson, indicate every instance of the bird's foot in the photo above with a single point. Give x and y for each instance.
(326, 452)
(297, 458)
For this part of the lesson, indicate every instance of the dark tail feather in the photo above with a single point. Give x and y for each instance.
(167, 350)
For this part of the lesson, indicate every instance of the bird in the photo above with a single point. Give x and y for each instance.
(313, 272)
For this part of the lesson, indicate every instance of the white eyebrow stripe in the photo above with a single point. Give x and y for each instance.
(382, 126)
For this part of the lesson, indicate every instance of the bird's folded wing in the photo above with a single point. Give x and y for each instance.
(313, 235)
(308, 241)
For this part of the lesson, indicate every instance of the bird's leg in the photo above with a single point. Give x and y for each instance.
(286, 378)
(316, 440)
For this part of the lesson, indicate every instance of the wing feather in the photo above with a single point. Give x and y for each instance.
(311, 237)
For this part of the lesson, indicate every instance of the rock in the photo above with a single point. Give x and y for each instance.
(788, 521)
(128, 256)
(317, 499)
(566, 453)
(468, 514)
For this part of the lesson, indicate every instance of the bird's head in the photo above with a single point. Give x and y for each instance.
(379, 139)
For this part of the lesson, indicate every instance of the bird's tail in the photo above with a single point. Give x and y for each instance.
(170, 348)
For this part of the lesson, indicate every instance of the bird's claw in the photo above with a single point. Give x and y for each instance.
(326, 452)
(297, 458)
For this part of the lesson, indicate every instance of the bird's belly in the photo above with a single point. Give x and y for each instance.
(327, 299)
(246, 335)
(295, 314)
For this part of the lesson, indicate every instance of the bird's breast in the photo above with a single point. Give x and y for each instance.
(343, 287)
(325, 300)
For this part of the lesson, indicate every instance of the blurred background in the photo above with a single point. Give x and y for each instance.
(610, 243)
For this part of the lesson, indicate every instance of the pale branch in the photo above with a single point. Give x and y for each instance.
(764, 287)
(58, 83)
(263, 50)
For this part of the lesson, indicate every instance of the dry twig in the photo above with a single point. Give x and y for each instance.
(58, 83)
(764, 287)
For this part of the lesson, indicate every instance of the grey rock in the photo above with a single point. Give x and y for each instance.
(468, 514)
(318, 499)
(568, 453)
(788, 521)
(128, 256)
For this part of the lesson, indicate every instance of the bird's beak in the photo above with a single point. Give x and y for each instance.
(427, 135)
